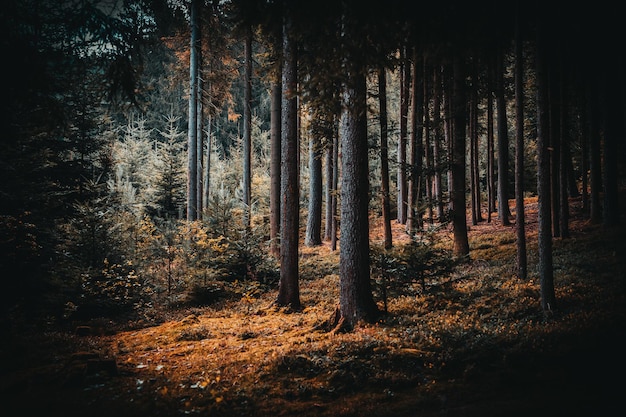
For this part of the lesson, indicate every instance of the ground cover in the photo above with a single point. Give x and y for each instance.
(470, 343)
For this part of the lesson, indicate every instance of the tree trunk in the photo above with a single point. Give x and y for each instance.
(474, 170)
(563, 156)
(414, 215)
(520, 218)
(328, 192)
(384, 158)
(275, 138)
(199, 127)
(335, 185)
(247, 131)
(402, 141)
(491, 185)
(503, 147)
(437, 122)
(457, 168)
(313, 235)
(595, 158)
(555, 146)
(356, 300)
(192, 136)
(546, 273)
(289, 291)
(428, 153)
(206, 166)
(584, 157)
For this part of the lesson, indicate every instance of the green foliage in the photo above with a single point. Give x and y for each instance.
(114, 289)
(420, 261)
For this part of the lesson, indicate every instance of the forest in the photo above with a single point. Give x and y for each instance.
(330, 208)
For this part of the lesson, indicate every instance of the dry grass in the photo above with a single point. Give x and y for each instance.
(473, 343)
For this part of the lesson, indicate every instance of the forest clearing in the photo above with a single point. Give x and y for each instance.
(473, 343)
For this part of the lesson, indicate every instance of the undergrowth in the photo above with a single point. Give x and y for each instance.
(463, 333)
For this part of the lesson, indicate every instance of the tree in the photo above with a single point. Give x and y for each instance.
(457, 164)
(356, 302)
(170, 186)
(503, 144)
(546, 273)
(520, 218)
(275, 139)
(474, 157)
(491, 185)
(384, 158)
(405, 73)
(314, 217)
(414, 212)
(247, 128)
(289, 291)
(438, 128)
(192, 137)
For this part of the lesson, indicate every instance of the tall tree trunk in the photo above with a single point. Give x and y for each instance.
(437, 122)
(275, 152)
(192, 136)
(247, 131)
(491, 184)
(520, 217)
(289, 290)
(314, 218)
(355, 296)
(563, 156)
(474, 169)
(457, 169)
(503, 146)
(448, 129)
(546, 273)
(335, 185)
(405, 70)
(199, 128)
(328, 191)
(555, 145)
(206, 165)
(414, 215)
(428, 153)
(595, 167)
(384, 158)
(584, 156)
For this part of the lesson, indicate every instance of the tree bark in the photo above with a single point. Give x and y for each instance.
(275, 166)
(503, 147)
(335, 185)
(555, 147)
(437, 122)
(546, 273)
(428, 152)
(313, 235)
(384, 159)
(414, 215)
(457, 170)
(595, 158)
(356, 300)
(247, 130)
(491, 186)
(192, 136)
(402, 140)
(520, 218)
(288, 290)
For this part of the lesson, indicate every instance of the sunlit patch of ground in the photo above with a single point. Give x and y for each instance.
(472, 343)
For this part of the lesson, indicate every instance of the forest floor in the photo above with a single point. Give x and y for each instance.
(474, 343)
